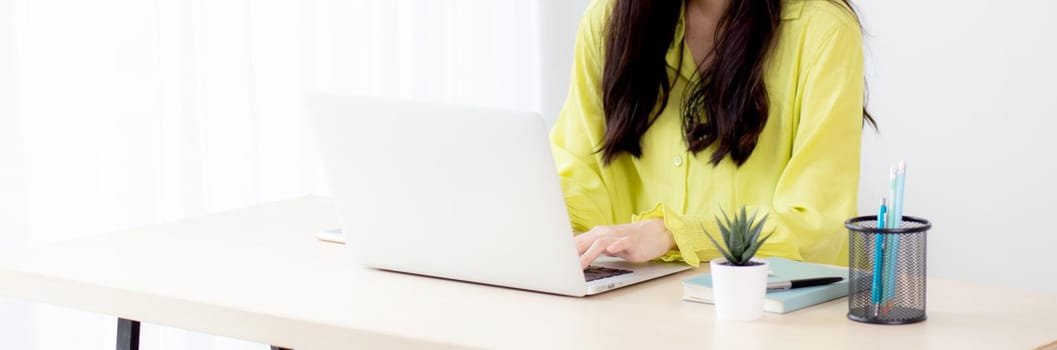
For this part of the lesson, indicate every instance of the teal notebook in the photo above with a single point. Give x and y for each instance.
(699, 288)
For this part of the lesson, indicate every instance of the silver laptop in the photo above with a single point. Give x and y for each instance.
(460, 193)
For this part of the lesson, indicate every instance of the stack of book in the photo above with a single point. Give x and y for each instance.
(699, 288)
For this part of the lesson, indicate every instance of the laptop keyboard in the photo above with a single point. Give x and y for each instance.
(592, 273)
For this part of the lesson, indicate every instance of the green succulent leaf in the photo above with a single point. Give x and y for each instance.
(752, 219)
(755, 230)
(736, 244)
(752, 251)
(729, 226)
(724, 231)
(741, 235)
(719, 247)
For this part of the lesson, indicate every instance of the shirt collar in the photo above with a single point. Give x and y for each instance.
(679, 56)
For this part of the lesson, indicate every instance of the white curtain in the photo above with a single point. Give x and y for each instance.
(124, 113)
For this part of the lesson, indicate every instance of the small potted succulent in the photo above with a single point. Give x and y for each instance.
(739, 282)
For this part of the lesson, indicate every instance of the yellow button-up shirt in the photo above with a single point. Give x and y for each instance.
(804, 172)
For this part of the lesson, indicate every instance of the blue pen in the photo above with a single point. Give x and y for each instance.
(879, 241)
(895, 220)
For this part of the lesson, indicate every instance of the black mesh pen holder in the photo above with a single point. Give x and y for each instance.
(886, 270)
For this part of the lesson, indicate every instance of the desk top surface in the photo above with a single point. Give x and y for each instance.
(259, 274)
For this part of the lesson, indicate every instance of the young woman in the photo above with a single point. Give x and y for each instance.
(680, 110)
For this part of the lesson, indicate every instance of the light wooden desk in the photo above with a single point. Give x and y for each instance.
(259, 274)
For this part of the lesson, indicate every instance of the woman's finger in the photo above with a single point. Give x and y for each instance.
(593, 252)
(619, 246)
(583, 241)
(622, 248)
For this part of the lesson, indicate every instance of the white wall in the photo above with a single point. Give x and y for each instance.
(559, 20)
(965, 92)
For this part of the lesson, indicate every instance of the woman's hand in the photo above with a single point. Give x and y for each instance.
(637, 241)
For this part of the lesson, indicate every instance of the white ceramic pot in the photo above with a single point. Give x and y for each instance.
(739, 291)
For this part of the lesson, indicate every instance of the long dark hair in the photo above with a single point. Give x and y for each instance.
(730, 90)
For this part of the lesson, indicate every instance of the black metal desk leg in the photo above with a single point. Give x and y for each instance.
(127, 334)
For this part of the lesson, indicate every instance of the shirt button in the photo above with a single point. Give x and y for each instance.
(677, 161)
